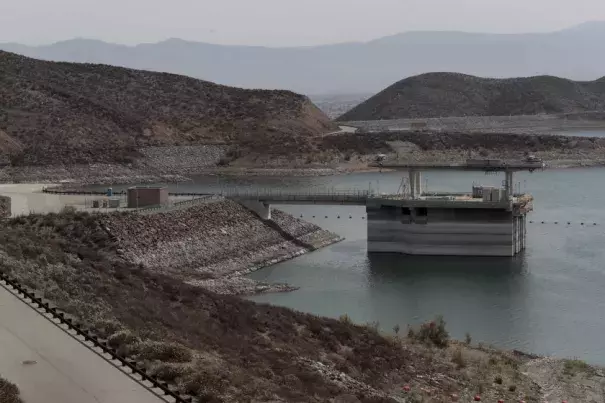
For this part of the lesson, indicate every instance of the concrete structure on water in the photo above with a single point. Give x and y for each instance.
(145, 196)
(487, 221)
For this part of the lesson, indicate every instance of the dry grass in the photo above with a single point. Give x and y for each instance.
(215, 347)
(9, 393)
(225, 349)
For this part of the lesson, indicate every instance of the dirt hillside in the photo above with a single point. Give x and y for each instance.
(434, 95)
(81, 113)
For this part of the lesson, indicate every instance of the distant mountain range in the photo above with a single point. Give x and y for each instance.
(435, 95)
(574, 53)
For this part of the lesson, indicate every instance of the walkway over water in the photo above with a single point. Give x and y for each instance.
(353, 197)
(470, 165)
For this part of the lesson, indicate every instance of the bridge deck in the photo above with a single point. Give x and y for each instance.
(501, 166)
(353, 197)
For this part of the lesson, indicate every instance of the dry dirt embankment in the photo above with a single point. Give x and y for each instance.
(212, 245)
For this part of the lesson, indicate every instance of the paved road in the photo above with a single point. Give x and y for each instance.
(49, 366)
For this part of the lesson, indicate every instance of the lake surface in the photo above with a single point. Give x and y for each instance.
(583, 133)
(548, 300)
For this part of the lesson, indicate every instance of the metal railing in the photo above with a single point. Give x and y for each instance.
(289, 195)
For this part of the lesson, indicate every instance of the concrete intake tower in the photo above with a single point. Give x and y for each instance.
(489, 221)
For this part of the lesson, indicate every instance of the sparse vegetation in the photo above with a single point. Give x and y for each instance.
(574, 366)
(221, 348)
(467, 338)
(453, 94)
(345, 319)
(9, 393)
(458, 358)
(215, 347)
(80, 120)
(433, 333)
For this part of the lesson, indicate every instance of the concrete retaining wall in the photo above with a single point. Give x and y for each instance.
(474, 232)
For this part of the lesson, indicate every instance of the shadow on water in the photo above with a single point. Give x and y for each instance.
(397, 267)
(469, 292)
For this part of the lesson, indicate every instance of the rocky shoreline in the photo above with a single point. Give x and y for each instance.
(341, 153)
(215, 244)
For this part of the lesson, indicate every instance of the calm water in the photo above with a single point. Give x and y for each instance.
(549, 300)
(585, 133)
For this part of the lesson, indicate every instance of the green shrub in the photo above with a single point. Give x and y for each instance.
(168, 352)
(432, 332)
(123, 337)
(9, 393)
(345, 319)
(572, 367)
(458, 358)
(170, 372)
(467, 338)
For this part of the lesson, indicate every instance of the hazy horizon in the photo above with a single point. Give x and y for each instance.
(275, 23)
(84, 38)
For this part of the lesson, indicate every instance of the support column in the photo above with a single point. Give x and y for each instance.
(509, 184)
(522, 239)
(412, 176)
(515, 234)
(418, 184)
(263, 210)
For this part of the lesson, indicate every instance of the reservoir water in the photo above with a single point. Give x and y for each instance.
(549, 300)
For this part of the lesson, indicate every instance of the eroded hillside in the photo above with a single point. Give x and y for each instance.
(66, 113)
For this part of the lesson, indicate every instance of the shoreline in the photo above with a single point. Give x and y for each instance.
(74, 182)
(247, 287)
(215, 244)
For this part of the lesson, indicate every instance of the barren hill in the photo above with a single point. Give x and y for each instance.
(451, 94)
(81, 113)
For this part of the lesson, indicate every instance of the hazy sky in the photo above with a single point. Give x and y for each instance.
(278, 22)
